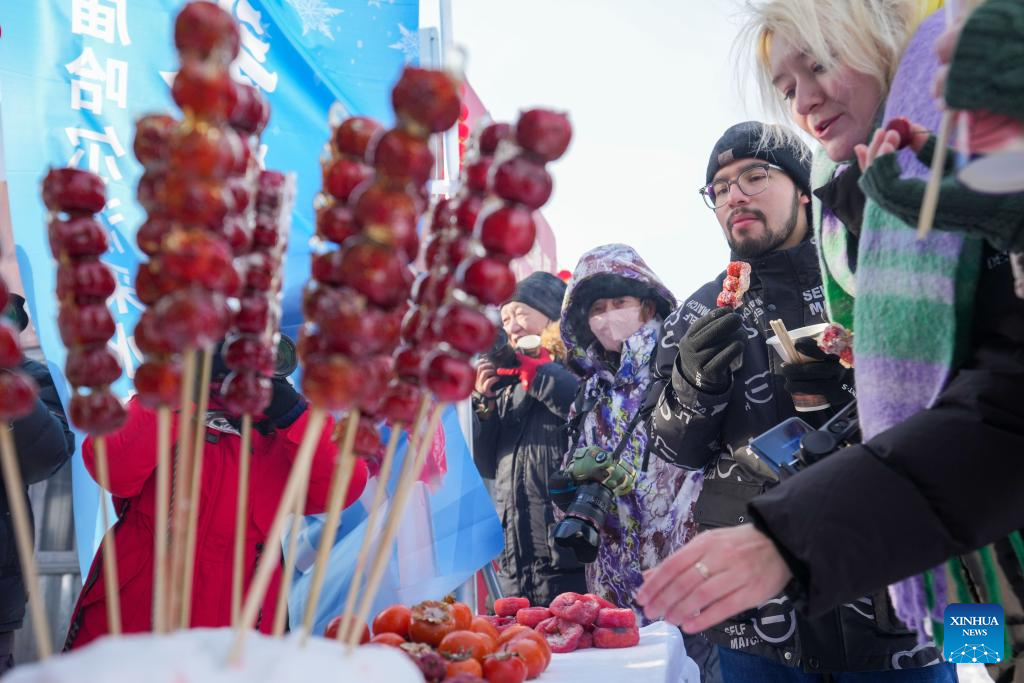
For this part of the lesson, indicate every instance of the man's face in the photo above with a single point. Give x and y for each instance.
(774, 218)
(520, 320)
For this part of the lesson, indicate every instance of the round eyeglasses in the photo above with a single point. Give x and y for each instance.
(752, 181)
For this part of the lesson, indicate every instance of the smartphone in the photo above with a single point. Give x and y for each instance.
(778, 447)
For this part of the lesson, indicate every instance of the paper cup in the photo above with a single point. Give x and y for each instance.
(804, 403)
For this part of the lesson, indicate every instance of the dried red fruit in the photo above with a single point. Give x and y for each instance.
(374, 270)
(92, 366)
(426, 99)
(500, 624)
(465, 328)
(332, 381)
(576, 608)
(335, 223)
(72, 190)
(17, 394)
(586, 641)
(77, 236)
(450, 378)
(545, 134)
(402, 157)
(98, 412)
(509, 607)
(616, 637)
(158, 383)
(152, 139)
(616, 618)
(246, 393)
(522, 180)
(531, 616)
(343, 175)
(488, 279)
(85, 325)
(204, 31)
(507, 231)
(251, 112)
(10, 345)
(562, 635)
(605, 604)
(431, 665)
(354, 134)
(205, 90)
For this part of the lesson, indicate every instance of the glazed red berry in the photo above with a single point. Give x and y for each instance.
(158, 383)
(192, 318)
(17, 394)
(388, 217)
(237, 233)
(476, 172)
(402, 156)
(85, 280)
(409, 362)
(207, 151)
(72, 190)
(467, 212)
(543, 133)
(401, 403)
(85, 325)
(255, 314)
(98, 412)
(442, 214)
(354, 134)
(92, 366)
(205, 31)
(248, 352)
(376, 271)
(200, 257)
(507, 231)
(343, 175)
(488, 279)
(426, 99)
(251, 111)
(447, 250)
(151, 233)
(491, 137)
(332, 382)
(148, 338)
(465, 328)
(246, 393)
(10, 345)
(152, 139)
(260, 270)
(205, 90)
(522, 180)
(449, 377)
(78, 236)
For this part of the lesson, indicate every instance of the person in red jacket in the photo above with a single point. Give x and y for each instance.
(132, 454)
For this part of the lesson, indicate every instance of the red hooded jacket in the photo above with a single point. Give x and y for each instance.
(132, 455)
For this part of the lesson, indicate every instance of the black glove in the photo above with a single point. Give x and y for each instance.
(561, 489)
(825, 377)
(286, 404)
(708, 349)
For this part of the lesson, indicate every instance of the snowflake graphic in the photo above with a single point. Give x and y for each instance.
(409, 44)
(974, 653)
(315, 15)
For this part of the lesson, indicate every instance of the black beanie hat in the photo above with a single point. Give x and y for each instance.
(542, 291)
(743, 141)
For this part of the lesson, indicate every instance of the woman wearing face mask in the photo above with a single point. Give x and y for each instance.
(937, 346)
(611, 319)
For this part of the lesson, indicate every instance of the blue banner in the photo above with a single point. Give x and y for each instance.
(74, 76)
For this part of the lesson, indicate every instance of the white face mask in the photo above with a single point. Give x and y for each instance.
(616, 326)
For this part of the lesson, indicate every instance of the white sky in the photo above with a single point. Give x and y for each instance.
(649, 86)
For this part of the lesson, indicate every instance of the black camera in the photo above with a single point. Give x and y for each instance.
(502, 355)
(591, 481)
(792, 445)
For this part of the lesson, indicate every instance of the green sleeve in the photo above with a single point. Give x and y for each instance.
(987, 70)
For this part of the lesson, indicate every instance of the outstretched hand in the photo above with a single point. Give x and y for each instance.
(886, 141)
(715, 576)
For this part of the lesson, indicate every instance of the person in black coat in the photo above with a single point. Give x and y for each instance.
(520, 413)
(44, 442)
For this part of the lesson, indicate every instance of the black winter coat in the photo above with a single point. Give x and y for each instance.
(520, 445)
(698, 430)
(946, 481)
(44, 443)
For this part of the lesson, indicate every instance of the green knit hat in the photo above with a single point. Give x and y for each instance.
(987, 70)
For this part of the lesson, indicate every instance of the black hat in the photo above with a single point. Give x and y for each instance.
(542, 291)
(15, 311)
(744, 141)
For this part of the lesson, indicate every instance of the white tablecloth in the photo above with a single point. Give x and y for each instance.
(660, 657)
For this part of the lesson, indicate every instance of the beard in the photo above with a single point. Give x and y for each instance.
(770, 240)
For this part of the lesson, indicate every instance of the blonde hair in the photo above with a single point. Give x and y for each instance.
(866, 35)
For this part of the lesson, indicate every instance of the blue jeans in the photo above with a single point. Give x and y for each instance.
(739, 667)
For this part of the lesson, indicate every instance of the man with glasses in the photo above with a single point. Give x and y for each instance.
(721, 385)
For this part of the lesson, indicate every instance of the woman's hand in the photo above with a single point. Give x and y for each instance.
(486, 378)
(713, 577)
(887, 141)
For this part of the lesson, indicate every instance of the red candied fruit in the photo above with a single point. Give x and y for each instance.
(205, 31)
(616, 637)
(248, 352)
(246, 393)
(235, 230)
(17, 394)
(205, 90)
(562, 636)
(388, 217)
(488, 279)
(376, 271)
(616, 618)
(427, 99)
(148, 337)
(442, 214)
(255, 314)
(192, 318)
(467, 212)
(266, 234)
(193, 202)
(85, 281)
(200, 257)
(335, 223)
(507, 231)
(476, 173)
(207, 151)
(85, 325)
(158, 383)
(343, 318)
(251, 112)
(492, 135)
(449, 377)
(409, 362)
(465, 328)
(271, 187)
(73, 190)
(343, 175)
(92, 366)
(151, 233)
(332, 381)
(10, 345)
(152, 139)
(448, 248)
(543, 133)
(576, 608)
(531, 616)
(260, 270)
(98, 412)
(401, 403)
(402, 156)
(77, 236)
(509, 607)
(354, 134)
(522, 180)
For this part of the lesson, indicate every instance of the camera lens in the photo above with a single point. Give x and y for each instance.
(580, 530)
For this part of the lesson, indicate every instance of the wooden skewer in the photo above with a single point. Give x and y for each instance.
(198, 451)
(163, 494)
(270, 560)
(335, 503)
(23, 537)
(787, 342)
(288, 571)
(931, 190)
(395, 514)
(376, 507)
(111, 584)
(182, 470)
(241, 518)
